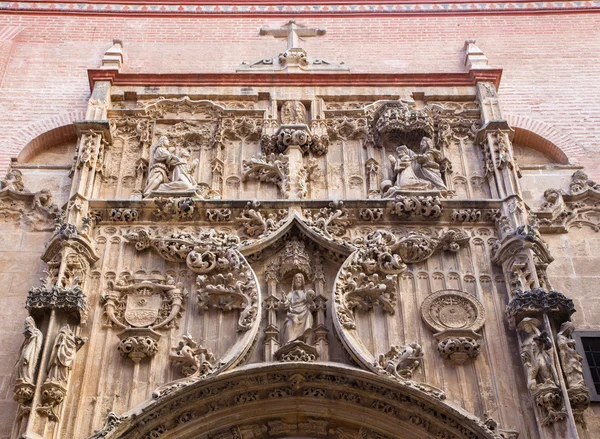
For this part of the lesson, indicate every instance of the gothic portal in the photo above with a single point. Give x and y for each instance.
(294, 250)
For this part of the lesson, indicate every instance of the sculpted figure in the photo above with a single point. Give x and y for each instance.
(534, 352)
(299, 319)
(63, 353)
(414, 171)
(170, 170)
(30, 352)
(569, 357)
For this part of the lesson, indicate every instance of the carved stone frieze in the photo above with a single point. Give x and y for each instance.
(218, 215)
(410, 405)
(132, 127)
(455, 317)
(428, 207)
(124, 214)
(139, 306)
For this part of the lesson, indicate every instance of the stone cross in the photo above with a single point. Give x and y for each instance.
(293, 32)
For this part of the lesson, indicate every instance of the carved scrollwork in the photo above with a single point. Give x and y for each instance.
(270, 168)
(123, 214)
(417, 206)
(332, 221)
(256, 225)
(176, 209)
(400, 362)
(193, 359)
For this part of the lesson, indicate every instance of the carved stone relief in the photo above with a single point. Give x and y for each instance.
(140, 306)
(455, 317)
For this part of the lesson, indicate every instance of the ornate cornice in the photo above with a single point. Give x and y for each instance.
(305, 8)
(469, 78)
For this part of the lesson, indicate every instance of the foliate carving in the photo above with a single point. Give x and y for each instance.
(69, 298)
(294, 259)
(140, 305)
(297, 351)
(140, 128)
(400, 362)
(535, 302)
(348, 128)
(229, 291)
(541, 376)
(371, 214)
(400, 117)
(417, 206)
(218, 215)
(237, 128)
(176, 209)
(455, 317)
(123, 214)
(369, 277)
(272, 168)
(256, 225)
(193, 359)
(466, 215)
(572, 367)
(332, 221)
(27, 363)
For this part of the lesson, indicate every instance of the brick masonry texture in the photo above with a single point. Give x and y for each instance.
(549, 61)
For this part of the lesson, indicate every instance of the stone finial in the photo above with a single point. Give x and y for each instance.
(113, 57)
(474, 56)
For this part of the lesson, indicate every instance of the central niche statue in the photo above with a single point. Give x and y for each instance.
(299, 304)
(299, 319)
(416, 172)
(170, 171)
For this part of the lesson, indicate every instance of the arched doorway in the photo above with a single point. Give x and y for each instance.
(296, 400)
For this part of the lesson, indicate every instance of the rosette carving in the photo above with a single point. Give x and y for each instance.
(455, 317)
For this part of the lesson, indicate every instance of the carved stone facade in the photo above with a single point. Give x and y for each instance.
(289, 259)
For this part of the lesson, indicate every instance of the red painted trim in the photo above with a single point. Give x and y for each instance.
(296, 79)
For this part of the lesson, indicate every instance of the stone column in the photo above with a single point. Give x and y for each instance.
(519, 252)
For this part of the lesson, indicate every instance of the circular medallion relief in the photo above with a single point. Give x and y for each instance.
(452, 309)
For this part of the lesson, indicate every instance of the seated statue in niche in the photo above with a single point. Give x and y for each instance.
(299, 319)
(170, 170)
(415, 171)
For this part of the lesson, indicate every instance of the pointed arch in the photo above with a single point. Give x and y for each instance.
(297, 399)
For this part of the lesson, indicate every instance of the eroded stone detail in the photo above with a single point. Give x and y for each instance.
(193, 359)
(270, 168)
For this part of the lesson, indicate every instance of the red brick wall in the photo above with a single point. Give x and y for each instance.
(550, 62)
